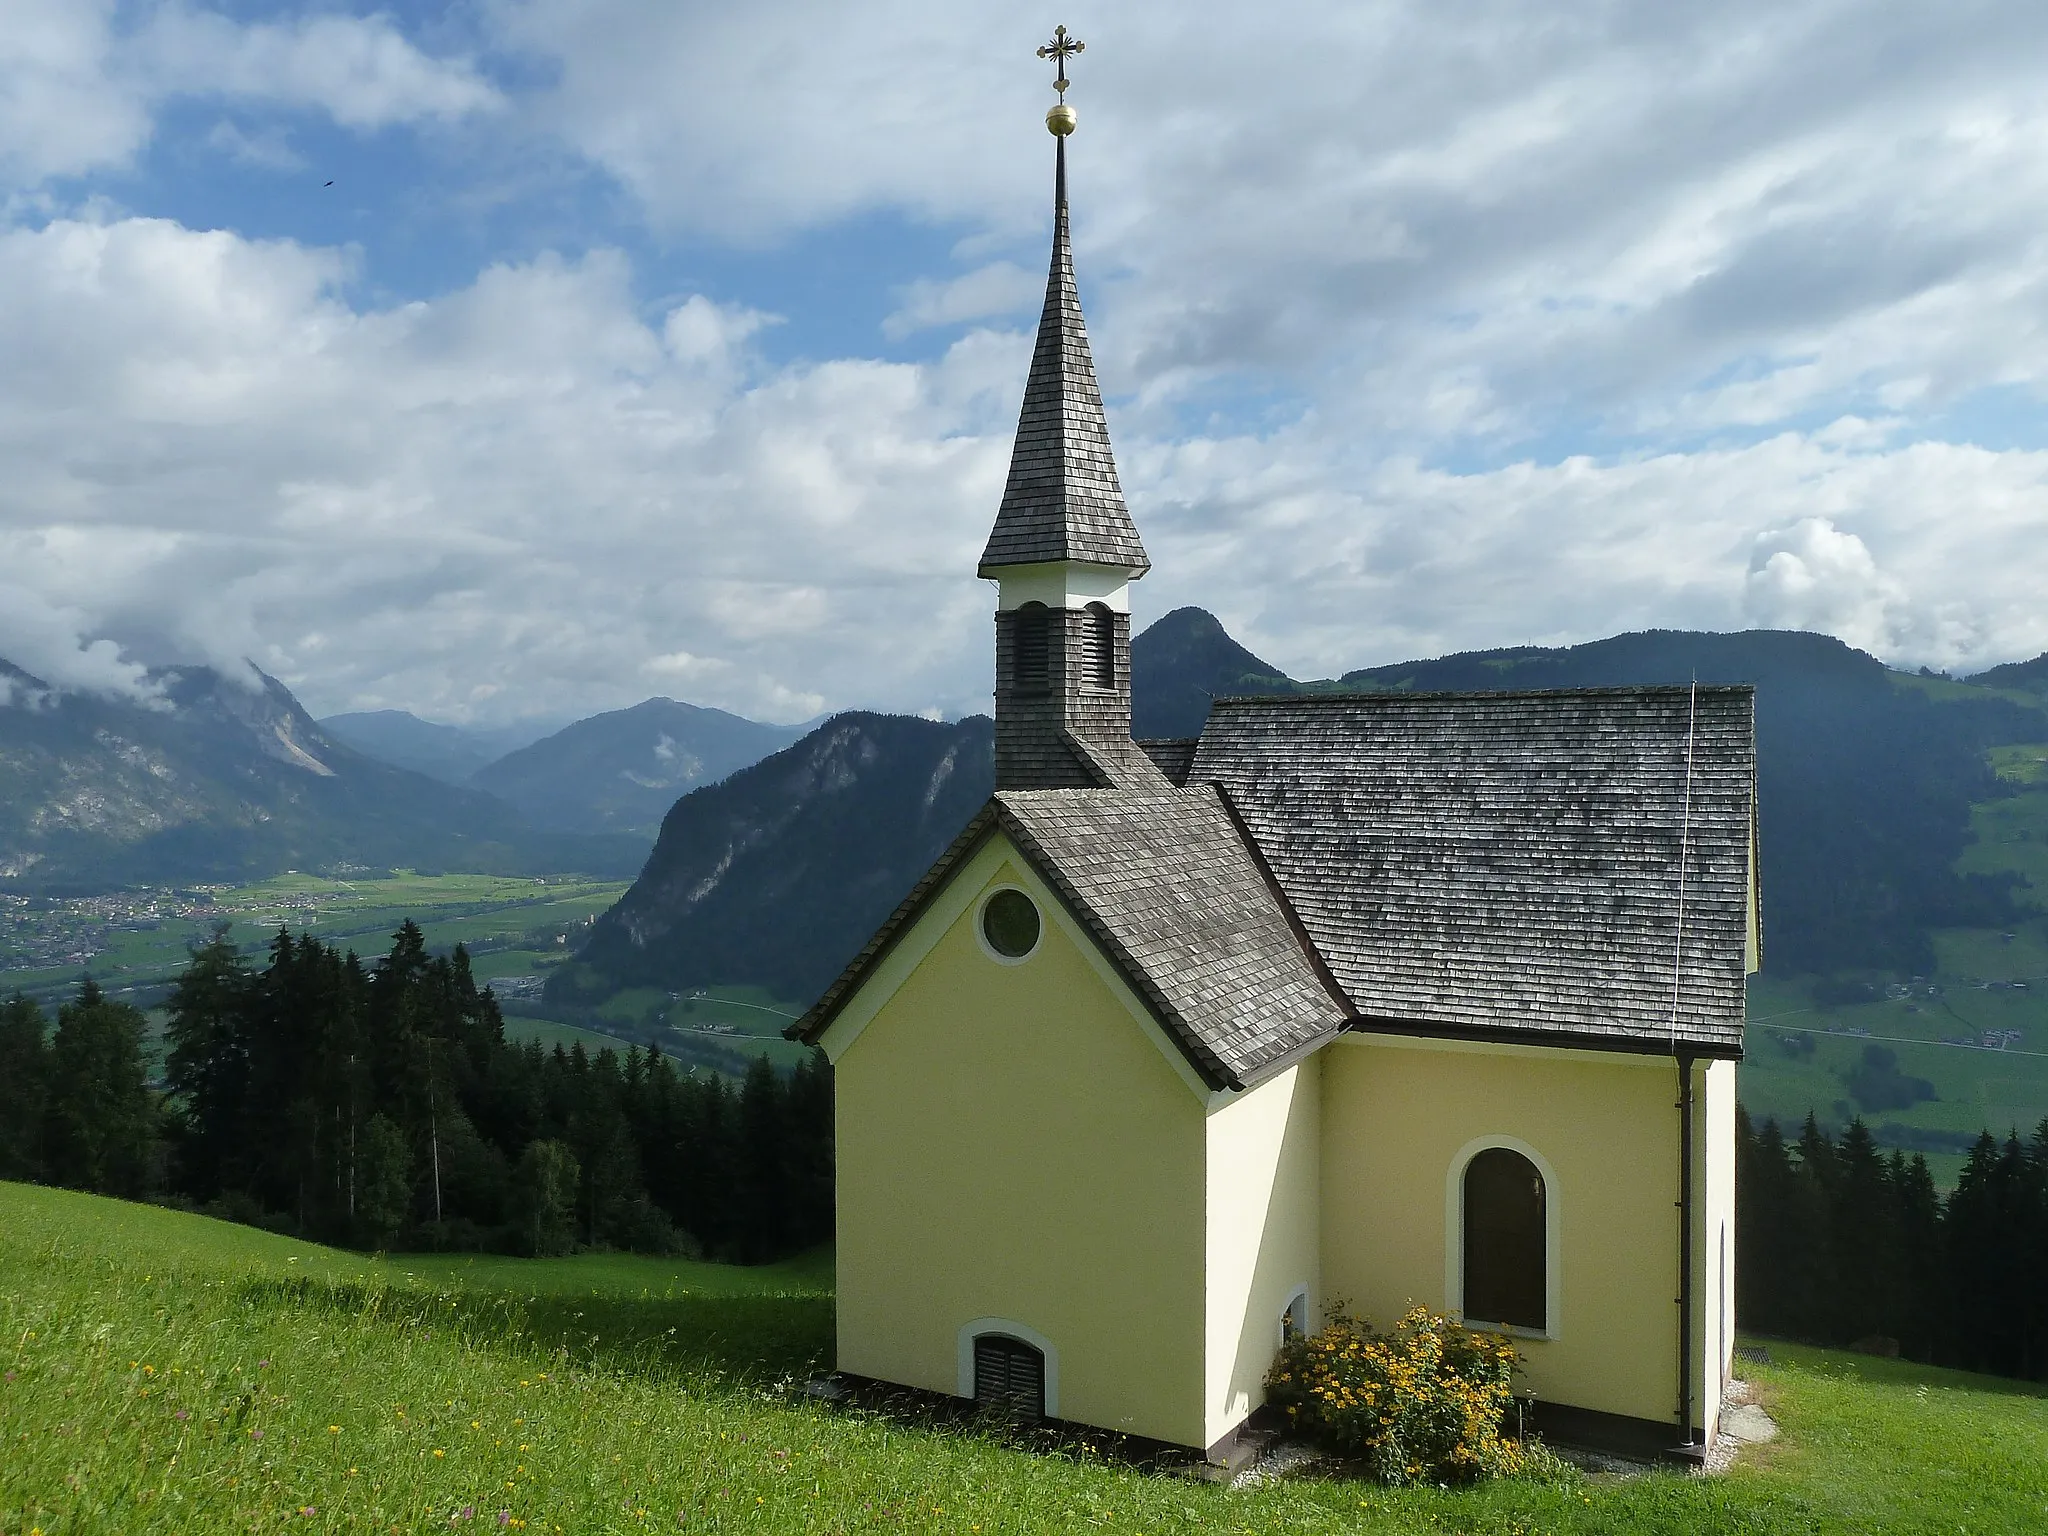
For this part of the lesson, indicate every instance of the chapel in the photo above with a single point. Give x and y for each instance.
(1372, 999)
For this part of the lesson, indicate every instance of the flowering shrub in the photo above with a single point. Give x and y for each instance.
(1423, 1403)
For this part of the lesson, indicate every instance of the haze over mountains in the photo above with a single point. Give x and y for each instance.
(616, 772)
(216, 782)
(622, 770)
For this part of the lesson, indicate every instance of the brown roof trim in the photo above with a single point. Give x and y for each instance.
(819, 1016)
(1200, 1057)
(987, 821)
(1557, 1039)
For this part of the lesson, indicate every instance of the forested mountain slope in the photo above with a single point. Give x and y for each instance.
(778, 875)
(1867, 783)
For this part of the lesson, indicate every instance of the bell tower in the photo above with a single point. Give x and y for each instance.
(1064, 551)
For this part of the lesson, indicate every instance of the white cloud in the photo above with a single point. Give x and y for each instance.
(268, 148)
(522, 496)
(529, 497)
(59, 112)
(81, 81)
(1447, 220)
(1000, 288)
(359, 70)
(1430, 326)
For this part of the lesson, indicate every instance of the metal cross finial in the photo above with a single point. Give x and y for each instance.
(1059, 50)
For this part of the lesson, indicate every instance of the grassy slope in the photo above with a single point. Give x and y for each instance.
(614, 1394)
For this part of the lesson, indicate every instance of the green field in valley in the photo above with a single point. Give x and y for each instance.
(1969, 1041)
(137, 939)
(517, 931)
(168, 1373)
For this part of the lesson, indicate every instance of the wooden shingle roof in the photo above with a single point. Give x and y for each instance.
(1062, 500)
(1507, 865)
(1166, 887)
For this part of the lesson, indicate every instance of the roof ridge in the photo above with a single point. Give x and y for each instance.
(1395, 695)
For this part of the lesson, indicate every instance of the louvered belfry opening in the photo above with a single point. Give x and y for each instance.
(1101, 646)
(1009, 1377)
(1506, 1247)
(1033, 660)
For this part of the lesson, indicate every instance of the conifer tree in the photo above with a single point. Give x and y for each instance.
(101, 1130)
(24, 1086)
(206, 1065)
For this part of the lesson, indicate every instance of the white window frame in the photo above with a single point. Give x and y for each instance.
(1454, 1238)
(1011, 1329)
(981, 912)
(1308, 1320)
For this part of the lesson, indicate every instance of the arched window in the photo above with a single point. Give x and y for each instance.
(1506, 1241)
(1009, 1376)
(1101, 646)
(1032, 646)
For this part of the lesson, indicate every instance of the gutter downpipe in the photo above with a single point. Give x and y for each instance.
(1686, 1437)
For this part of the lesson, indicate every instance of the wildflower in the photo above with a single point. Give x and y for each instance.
(308, 1512)
(181, 1415)
(334, 1429)
(504, 1517)
(439, 1454)
(255, 1434)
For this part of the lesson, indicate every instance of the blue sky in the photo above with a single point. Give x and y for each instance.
(675, 349)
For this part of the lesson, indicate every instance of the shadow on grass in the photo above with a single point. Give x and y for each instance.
(742, 1339)
(1879, 1370)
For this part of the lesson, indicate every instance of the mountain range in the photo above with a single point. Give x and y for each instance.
(206, 778)
(616, 772)
(622, 770)
(450, 753)
(1870, 783)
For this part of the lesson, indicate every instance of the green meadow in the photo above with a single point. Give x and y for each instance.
(165, 1372)
(138, 939)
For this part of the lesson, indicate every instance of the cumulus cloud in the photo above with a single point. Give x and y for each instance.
(1000, 288)
(81, 81)
(1425, 327)
(60, 114)
(523, 496)
(361, 71)
(529, 496)
(1468, 220)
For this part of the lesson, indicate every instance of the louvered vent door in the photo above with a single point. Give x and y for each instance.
(1009, 1376)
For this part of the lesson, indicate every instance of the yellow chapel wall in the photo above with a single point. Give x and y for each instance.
(1264, 1175)
(1397, 1113)
(1014, 1143)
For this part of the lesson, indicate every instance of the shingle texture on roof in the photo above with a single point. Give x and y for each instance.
(1062, 500)
(1166, 885)
(1510, 863)
(1173, 755)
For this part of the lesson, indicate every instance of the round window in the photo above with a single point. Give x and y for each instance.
(1010, 924)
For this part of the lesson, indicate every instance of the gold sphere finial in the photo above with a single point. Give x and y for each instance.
(1061, 120)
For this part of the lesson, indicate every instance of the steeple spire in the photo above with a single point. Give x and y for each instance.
(1063, 552)
(1062, 500)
